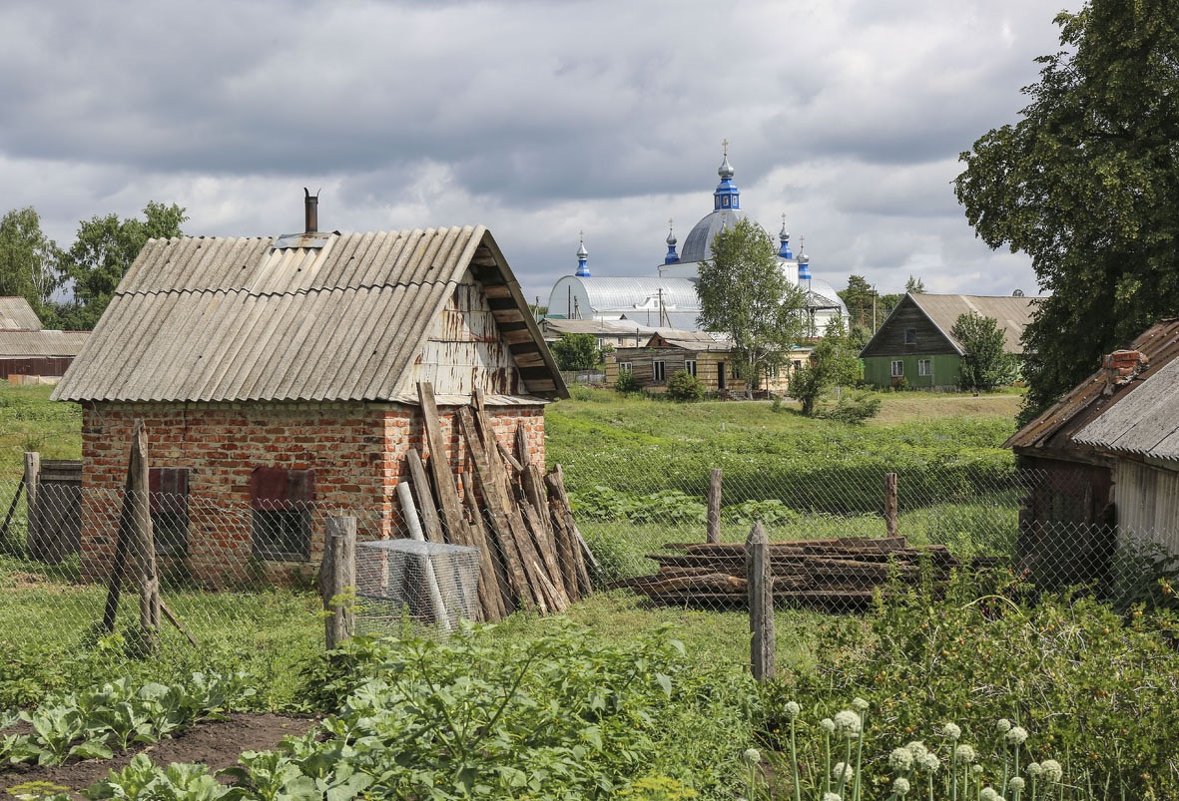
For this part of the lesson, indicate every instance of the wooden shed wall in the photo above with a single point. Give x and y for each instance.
(707, 369)
(1147, 500)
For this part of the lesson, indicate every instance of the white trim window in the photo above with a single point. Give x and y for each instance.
(898, 368)
(690, 367)
(624, 367)
(659, 371)
(925, 367)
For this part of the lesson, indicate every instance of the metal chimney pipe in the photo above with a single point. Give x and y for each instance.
(310, 211)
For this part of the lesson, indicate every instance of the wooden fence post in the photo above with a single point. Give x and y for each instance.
(761, 603)
(142, 542)
(31, 483)
(714, 504)
(337, 579)
(890, 504)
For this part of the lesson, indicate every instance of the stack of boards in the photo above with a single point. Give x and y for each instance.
(532, 556)
(836, 574)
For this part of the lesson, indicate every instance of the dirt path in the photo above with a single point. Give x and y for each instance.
(214, 743)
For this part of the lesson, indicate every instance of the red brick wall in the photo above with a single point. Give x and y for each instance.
(357, 451)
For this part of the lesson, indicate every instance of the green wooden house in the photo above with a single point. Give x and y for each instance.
(914, 346)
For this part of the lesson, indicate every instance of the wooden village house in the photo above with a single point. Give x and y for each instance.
(707, 356)
(914, 347)
(1101, 466)
(279, 378)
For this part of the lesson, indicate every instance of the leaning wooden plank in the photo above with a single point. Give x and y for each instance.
(563, 543)
(568, 546)
(431, 523)
(494, 592)
(553, 580)
(520, 537)
(500, 527)
(508, 457)
(452, 516)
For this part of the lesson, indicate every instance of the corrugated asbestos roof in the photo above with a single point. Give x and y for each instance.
(17, 314)
(41, 344)
(1146, 422)
(226, 319)
(1057, 428)
(556, 326)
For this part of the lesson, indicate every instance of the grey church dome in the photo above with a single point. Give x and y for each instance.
(698, 245)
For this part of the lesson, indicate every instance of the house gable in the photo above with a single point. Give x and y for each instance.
(909, 330)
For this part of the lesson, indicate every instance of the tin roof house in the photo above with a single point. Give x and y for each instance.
(281, 375)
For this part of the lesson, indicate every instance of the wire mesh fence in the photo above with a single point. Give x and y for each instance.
(838, 540)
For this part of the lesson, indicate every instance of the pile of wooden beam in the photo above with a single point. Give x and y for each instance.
(532, 556)
(832, 573)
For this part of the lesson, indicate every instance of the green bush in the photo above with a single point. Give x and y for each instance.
(850, 406)
(683, 386)
(627, 384)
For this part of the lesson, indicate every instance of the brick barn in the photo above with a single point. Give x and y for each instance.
(278, 378)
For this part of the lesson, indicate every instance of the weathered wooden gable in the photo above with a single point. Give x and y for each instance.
(464, 348)
(908, 330)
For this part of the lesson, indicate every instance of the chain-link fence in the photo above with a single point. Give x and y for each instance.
(72, 569)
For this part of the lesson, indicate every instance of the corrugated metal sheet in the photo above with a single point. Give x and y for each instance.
(33, 344)
(624, 294)
(1056, 427)
(1011, 313)
(200, 319)
(17, 314)
(1145, 423)
(1147, 501)
(555, 326)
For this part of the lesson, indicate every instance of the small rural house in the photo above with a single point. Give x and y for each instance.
(914, 347)
(279, 377)
(27, 352)
(1103, 459)
(608, 333)
(708, 356)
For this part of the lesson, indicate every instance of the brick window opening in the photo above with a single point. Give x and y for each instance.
(281, 523)
(168, 499)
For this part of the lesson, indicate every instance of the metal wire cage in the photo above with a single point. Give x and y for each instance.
(425, 581)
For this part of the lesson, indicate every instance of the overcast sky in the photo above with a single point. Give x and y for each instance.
(537, 119)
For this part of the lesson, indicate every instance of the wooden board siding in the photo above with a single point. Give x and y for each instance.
(41, 365)
(464, 349)
(890, 339)
(1147, 501)
(946, 369)
(707, 368)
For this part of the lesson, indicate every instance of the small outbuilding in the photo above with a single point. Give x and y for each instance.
(279, 378)
(1102, 464)
(27, 352)
(914, 346)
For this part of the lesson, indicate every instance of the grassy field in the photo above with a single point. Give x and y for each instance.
(30, 422)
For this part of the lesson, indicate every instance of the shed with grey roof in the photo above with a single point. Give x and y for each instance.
(283, 375)
(17, 315)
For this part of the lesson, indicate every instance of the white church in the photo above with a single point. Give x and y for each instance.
(669, 300)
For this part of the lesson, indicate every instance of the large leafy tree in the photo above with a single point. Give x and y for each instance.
(1087, 184)
(744, 294)
(28, 260)
(986, 363)
(103, 250)
(833, 363)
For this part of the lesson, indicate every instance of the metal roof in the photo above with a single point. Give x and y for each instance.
(16, 313)
(621, 293)
(1012, 313)
(226, 319)
(698, 244)
(556, 326)
(1146, 422)
(41, 344)
(1056, 428)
